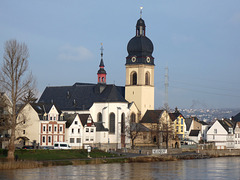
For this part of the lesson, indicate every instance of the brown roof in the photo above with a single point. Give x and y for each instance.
(151, 116)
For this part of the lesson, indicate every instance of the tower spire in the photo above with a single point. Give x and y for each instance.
(101, 72)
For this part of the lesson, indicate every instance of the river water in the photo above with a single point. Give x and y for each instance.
(215, 168)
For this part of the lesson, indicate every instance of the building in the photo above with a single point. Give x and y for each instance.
(179, 124)
(139, 86)
(40, 124)
(80, 130)
(221, 134)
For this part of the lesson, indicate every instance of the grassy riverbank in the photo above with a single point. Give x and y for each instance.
(43, 155)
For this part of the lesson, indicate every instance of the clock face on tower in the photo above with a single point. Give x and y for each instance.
(148, 59)
(133, 59)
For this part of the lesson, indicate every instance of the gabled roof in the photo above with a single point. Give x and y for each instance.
(175, 115)
(236, 118)
(42, 108)
(81, 96)
(194, 133)
(226, 124)
(203, 123)
(152, 116)
(188, 122)
(70, 118)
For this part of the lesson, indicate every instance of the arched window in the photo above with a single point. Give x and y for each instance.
(133, 117)
(147, 78)
(99, 117)
(133, 79)
(112, 123)
(102, 79)
(123, 123)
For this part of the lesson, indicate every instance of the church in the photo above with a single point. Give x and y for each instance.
(111, 107)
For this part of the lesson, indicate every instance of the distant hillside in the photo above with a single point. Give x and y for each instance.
(209, 114)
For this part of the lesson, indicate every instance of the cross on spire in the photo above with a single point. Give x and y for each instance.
(141, 11)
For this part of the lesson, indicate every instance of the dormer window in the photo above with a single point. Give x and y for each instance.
(89, 120)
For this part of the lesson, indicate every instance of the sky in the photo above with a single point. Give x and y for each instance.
(199, 42)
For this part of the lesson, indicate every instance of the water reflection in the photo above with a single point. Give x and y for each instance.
(217, 168)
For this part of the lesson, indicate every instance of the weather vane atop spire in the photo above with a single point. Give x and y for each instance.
(141, 11)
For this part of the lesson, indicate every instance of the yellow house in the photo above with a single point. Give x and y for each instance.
(179, 124)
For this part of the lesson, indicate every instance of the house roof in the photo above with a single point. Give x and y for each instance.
(42, 108)
(81, 96)
(194, 133)
(226, 124)
(188, 122)
(139, 127)
(236, 118)
(152, 116)
(70, 118)
(100, 127)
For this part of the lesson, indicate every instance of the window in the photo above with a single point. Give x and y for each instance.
(54, 117)
(92, 130)
(112, 123)
(181, 121)
(87, 129)
(181, 128)
(176, 128)
(49, 128)
(147, 78)
(76, 122)
(49, 139)
(215, 131)
(55, 128)
(87, 139)
(133, 78)
(43, 139)
(61, 129)
(23, 131)
(133, 117)
(71, 140)
(177, 121)
(213, 136)
(99, 117)
(123, 123)
(91, 139)
(44, 128)
(78, 140)
(50, 117)
(72, 130)
(78, 131)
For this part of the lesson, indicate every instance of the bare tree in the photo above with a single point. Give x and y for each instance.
(133, 131)
(15, 82)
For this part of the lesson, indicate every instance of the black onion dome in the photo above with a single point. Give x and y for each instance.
(140, 45)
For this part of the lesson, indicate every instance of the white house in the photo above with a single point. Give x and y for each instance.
(221, 133)
(237, 135)
(80, 130)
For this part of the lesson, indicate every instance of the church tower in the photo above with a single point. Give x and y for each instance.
(101, 72)
(139, 86)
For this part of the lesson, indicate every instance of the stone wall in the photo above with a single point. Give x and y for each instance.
(220, 152)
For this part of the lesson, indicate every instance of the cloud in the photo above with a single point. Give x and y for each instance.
(70, 53)
(235, 18)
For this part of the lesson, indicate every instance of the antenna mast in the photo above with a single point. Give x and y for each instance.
(166, 86)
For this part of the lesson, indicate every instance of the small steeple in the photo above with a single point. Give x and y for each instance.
(101, 72)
